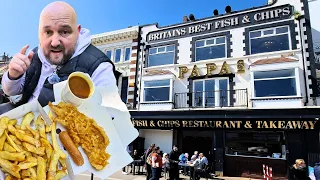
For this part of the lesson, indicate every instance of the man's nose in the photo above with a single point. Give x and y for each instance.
(55, 41)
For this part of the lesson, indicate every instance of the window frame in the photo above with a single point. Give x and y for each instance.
(125, 52)
(161, 46)
(297, 83)
(157, 79)
(111, 56)
(216, 91)
(211, 38)
(274, 34)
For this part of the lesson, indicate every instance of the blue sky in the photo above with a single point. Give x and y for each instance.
(19, 18)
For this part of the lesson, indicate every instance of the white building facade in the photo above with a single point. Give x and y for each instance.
(245, 65)
(121, 48)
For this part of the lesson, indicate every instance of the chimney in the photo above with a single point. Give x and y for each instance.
(270, 2)
(216, 12)
(228, 9)
(185, 19)
(191, 17)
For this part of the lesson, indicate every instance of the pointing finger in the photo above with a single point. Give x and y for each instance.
(30, 55)
(24, 49)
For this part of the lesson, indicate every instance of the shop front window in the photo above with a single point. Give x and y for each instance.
(210, 93)
(269, 40)
(157, 91)
(275, 83)
(161, 55)
(211, 48)
(260, 144)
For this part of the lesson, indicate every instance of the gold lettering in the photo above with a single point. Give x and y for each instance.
(160, 123)
(218, 124)
(182, 71)
(272, 124)
(239, 124)
(194, 72)
(225, 69)
(289, 124)
(312, 124)
(196, 124)
(265, 125)
(296, 124)
(177, 124)
(240, 66)
(226, 124)
(258, 124)
(152, 124)
(281, 124)
(305, 125)
(232, 124)
(191, 124)
(184, 123)
(211, 67)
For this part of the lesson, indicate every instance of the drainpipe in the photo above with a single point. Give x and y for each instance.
(140, 77)
(303, 61)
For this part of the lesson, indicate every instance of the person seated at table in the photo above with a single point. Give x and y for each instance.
(198, 165)
(194, 156)
(183, 158)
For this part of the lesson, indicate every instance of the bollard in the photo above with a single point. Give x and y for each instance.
(270, 173)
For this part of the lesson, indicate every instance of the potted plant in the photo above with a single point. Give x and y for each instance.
(297, 15)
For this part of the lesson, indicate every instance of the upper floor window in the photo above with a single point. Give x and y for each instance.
(117, 55)
(157, 90)
(109, 53)
(275, 83)
(127, 54)
(269, 40)
(212, 48)
(211, 92)
(161, 55)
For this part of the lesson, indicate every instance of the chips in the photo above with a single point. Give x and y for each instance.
(27, 153)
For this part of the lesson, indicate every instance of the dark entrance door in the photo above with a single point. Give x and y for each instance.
(201, 141)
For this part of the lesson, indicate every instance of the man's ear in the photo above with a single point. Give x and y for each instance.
(79, 28)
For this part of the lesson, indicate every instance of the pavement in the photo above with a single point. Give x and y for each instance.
(119, 176)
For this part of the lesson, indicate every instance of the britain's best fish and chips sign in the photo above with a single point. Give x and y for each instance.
(232, 21)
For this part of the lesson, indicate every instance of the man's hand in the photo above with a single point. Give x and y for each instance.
(20, 63)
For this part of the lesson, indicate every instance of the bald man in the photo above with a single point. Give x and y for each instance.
(64, 47)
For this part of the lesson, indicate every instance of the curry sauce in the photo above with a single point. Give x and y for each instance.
(79, 87)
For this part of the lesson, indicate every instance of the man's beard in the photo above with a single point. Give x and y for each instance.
(66, 55)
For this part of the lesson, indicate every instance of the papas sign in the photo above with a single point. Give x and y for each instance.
(226, 124)
(244, 19)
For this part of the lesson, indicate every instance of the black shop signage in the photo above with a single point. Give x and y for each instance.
(217, 24)
(227, 124)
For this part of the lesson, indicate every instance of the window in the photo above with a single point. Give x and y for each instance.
(269, 40)
(161, 55)
(210, 93)
(109, 53)
(117, 56)
(262, 144)
(124, 89)
(211, 48)
(275, 83)
(158, 90)
(127, 54)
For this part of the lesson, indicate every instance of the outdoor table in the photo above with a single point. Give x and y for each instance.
(186, 165)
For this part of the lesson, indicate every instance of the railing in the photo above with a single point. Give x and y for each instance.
(211, 99)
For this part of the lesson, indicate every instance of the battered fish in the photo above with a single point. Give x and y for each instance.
(84, 132)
